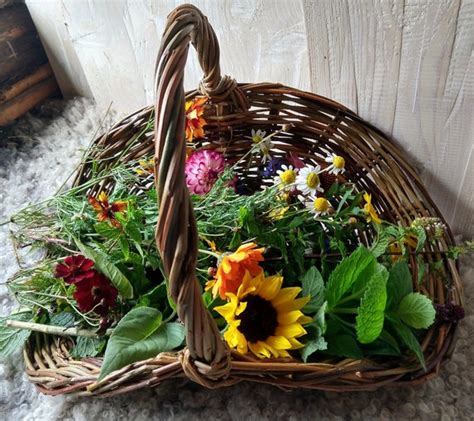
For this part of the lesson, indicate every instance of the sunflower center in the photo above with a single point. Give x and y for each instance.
(259, 319)
(312, 180)
(339, 162)
(288, 177)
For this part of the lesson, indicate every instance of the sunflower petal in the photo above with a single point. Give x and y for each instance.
(278, 342)
(286, 295)
(290, 317)
(295, 330)
(270, 287)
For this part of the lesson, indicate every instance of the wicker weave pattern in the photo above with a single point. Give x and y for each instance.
(318, 126)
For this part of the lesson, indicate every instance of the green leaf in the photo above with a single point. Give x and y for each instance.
(64, 319)
(421, 265)
(399, 283)
(313, 345)
(409, 339)
(102, 262)
(107, 231)
(132, 229)
(345, 346)
(86, 347)
(313, 285)
(417, 311)
(346, 274)
(125, 247)
(385, 344)
(370, 318)
(421, 236)
(379, 247)
(139, 336)
(11, 339)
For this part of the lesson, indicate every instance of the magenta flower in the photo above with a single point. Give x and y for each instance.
(202, 170)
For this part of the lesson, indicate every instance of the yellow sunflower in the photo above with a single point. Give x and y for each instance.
(264, 318)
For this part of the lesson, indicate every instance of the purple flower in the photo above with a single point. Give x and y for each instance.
(202, 169)
(272, 166)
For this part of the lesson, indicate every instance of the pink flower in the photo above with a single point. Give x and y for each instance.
(202, 170)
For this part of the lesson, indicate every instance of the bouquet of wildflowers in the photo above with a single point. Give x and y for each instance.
(295, 263)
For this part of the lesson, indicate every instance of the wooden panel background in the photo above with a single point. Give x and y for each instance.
(405, 66)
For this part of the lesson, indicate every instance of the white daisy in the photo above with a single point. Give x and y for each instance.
(286, 177)
(307, 181)
(318, 205)
(264, 143)
(337, 164)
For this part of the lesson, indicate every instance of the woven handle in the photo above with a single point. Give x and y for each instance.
(206, 358)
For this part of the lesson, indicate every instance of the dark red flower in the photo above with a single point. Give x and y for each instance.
(96, 293)
(449, 312)
(75, 269)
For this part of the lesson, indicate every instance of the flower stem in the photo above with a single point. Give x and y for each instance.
(210, 253)
(54, 330)
(344, 310)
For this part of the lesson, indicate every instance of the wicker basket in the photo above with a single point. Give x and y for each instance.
(319, 126)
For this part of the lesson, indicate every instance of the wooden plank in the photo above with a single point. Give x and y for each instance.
(433, 119)
(19, 105)
(10, 92)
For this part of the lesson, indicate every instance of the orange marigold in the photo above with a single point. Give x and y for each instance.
(105, 210)
(194, 120)
(232, 267)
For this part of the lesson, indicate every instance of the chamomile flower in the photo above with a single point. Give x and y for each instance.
(320, 206)
(337, 162)
(286, 178)
(307, 180)
(264, 143)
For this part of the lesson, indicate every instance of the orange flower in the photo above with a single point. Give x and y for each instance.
(105, 210)
(231, 270)
(194, 120)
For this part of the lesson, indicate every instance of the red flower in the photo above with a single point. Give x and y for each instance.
(95, 293)
(105, 210)
(75, 269)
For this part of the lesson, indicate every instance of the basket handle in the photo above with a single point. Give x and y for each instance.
(206, 358)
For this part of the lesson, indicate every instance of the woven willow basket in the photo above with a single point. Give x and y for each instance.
(318, 126)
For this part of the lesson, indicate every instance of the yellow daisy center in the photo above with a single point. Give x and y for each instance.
(288, 177)
(312, 181)
(257, 138)
(321, 204)
(339, 162)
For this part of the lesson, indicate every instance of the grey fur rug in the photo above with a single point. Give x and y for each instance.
(35, 157)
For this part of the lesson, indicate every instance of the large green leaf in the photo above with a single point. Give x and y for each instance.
(138, 336)
(313, 285)
(417, 311)
(399, 283)
(11, 339)
(370, 318)
(346, 274)
(104, 265)
(409, 339)
(344, 345)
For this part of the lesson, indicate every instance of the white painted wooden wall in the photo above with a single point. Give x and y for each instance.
(407, 66)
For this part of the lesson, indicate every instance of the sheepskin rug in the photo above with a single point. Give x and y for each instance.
(36, 155)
